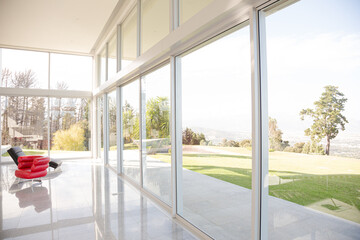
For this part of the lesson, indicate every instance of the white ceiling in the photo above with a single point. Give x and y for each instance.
(55, 25)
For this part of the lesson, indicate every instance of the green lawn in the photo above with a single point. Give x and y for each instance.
(28, 152)
(336, 193)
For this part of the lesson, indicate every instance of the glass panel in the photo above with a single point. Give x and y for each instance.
(130, 112)
(215, 184)
(154, 22)
(314, 124)
(189, 8)
(70, 72)
(129, 39)
(24, 69)
(69, 127)
(101, 124)
(112, 129)
(112, 57)
(102, 66)
(24, 123)
(156, 143)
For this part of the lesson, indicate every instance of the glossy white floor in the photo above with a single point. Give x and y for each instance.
(82, 201)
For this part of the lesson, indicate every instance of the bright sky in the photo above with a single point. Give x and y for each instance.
(76, 71)
(310, 44)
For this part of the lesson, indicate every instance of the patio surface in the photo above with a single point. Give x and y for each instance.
(223, 210)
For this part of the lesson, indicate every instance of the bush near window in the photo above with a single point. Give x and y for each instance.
(71, 139)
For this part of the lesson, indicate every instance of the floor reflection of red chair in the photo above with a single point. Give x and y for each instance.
(31, 167)
(34, 196)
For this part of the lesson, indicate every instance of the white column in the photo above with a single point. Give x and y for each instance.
(119, 131)
(106, 128)
(259, 127)
(176, 137)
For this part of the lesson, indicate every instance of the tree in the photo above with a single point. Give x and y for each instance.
(191, 138)
(327, 116)
(275, 136)
(130, 123)
(157, 118)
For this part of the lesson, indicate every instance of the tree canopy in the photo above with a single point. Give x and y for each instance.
(327, 116)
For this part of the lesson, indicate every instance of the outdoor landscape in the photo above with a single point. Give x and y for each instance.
(25, 118)
(316, 173)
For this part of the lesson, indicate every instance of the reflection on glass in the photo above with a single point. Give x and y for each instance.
(314, 159)
(24, 123)
(70, 72)
(112, 129)
(129, 39)
(130, 114)
(101, 124)
(102, 66)
(189, 8)
(24, 69)
(156, 143)
(112, 52)
(215, 183)
(69, 127)
(154, 22)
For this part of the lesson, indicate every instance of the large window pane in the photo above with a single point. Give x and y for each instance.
(214, 187)
(112, 52)
(112, 129)
(189, 8)
(70, 72)
(131, 144)
(156, 142)
(313, 50)
(24, 69)
(154, 22)
(102, 66)
(69, 127)
(24, 123)
(129, 39)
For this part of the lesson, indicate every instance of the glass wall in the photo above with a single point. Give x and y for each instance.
(112, 129)
(314, 119)
(188, 8)
(154, 22)
(24, 123)
(70, 72)
(24, 69)
(129, 39)
(112, 52)
(156, 143)
(214, 187)
(102, 66)
(131, 132)
(69, 127)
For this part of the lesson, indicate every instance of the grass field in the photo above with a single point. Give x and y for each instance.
(29, 152)
(326, 183)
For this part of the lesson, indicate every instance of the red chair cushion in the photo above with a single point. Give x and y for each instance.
(27, 174)
(25, 165)
(27, 158)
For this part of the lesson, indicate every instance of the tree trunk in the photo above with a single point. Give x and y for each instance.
(327, 152)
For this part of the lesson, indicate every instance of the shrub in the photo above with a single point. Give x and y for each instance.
(71, 139)
(289, 149)
(245, 143)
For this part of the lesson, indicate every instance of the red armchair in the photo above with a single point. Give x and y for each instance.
(31, 167)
